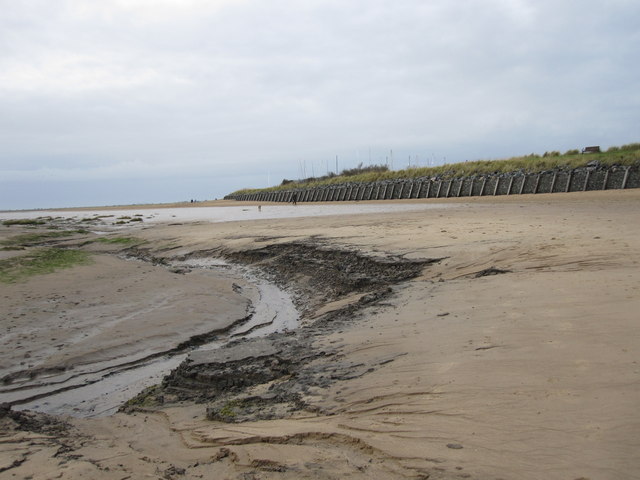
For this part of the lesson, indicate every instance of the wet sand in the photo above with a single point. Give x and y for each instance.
(513, 354)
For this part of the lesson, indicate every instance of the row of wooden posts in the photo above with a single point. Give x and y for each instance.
(546, 182)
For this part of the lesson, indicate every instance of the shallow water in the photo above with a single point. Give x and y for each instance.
(227, 214)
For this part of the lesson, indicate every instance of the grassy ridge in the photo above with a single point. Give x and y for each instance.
(624, 155)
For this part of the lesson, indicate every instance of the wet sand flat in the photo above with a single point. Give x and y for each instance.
(61, 327)
(513, 354)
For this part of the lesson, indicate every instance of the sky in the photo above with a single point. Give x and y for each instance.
(140, 101)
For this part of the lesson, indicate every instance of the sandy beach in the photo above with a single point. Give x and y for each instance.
(485, 338)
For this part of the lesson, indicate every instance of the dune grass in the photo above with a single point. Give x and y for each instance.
(40, 262)
(533, 163)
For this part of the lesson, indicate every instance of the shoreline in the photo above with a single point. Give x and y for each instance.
(507, 352)
(560, 196)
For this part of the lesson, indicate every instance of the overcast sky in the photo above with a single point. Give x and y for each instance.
(118, 101)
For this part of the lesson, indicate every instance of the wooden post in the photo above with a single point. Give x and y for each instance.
(393, 189)
(568, 181)
(553, 182)
(535, 188)
(606, 179)
(428, 189)
(524, 180)
(449, 188)
(626, 177)
(419, 189)
(586, 180)
(401, 190)
(439, 187)
(471, 189)
(495, 190)
(484, 182)
(411, 189)
(384, 193)
(460, 187)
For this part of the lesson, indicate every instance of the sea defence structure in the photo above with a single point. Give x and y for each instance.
(593, 177)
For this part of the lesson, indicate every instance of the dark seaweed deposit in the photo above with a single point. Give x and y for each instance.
(270, 377)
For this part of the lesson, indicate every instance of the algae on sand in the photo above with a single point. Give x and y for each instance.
(42, 261)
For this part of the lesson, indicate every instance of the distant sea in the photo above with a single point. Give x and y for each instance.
(227, 214)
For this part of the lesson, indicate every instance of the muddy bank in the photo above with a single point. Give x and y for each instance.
(271, 377)
(321, 273)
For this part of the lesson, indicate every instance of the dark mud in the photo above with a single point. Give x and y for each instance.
(273, 376)
(54, 432)
(12, 420)
(320, 273)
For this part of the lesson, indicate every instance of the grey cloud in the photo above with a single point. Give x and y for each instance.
(257, 86)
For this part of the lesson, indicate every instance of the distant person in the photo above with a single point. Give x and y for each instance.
(259, 208)
(294, 198)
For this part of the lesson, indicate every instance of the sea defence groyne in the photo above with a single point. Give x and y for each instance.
(593, 177)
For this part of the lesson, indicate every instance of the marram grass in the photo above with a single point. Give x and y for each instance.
(624, 155)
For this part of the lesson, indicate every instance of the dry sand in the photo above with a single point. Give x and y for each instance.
(529, 373)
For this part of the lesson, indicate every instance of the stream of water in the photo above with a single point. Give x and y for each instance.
(101, 393)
